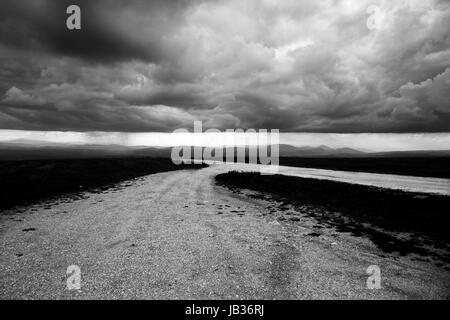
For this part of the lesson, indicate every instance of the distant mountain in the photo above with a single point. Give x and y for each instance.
(324, 151)
(28, 150)
(320, 151)
(305, 152)
(410, 154)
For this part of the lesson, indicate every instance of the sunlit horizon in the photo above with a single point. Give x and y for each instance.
(371, 142)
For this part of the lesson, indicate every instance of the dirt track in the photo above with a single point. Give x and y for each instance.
(176, 235)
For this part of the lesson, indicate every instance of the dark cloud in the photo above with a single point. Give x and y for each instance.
(294, 65)
(110, 28)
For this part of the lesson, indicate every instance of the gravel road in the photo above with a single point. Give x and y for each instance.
(176, 235)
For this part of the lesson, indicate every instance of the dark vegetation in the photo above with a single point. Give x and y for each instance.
(360, 210)
(22, 182)
(438, 167)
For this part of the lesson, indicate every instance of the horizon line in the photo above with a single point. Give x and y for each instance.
(367, 142)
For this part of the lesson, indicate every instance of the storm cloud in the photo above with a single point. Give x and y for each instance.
(294, 65)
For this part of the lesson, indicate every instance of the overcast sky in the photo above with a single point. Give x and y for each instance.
(293, 65)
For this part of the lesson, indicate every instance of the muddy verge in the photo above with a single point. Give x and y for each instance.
(396, 221)
(26, 181)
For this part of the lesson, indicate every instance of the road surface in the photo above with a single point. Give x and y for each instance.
(176, 235)
(391, 181)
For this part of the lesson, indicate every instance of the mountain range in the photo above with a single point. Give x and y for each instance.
(29, 149)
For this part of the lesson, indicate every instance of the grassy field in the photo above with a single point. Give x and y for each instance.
(438, 167)
(360, 210)
(26, 181)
